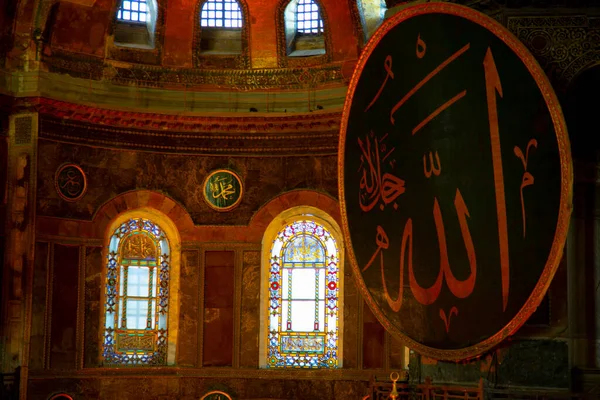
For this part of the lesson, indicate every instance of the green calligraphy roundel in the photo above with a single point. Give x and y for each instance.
(222, 190)
(455, 180)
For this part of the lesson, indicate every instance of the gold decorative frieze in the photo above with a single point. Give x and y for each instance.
(563, 45)
(242, 79)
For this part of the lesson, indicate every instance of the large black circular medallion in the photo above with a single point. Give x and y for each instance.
(70, 182)
(455, 180)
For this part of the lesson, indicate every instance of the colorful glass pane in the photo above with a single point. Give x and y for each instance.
(303, 298)
(137, 283)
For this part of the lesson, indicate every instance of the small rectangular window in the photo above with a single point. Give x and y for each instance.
(133, 10)
(221, 13)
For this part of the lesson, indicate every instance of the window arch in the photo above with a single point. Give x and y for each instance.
(304, 28)
(135, 23)
(140, 304)
(372, 13)
(302, 291)
(220, 25)
(221, 14)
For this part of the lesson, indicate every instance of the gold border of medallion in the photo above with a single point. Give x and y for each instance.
(228, 397)
(58, 190)
(566, 190)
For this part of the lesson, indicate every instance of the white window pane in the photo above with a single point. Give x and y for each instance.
(300, 9)
(134, 16)
(143, 17)
(227, 14)
(284, 282)
(211, 6)
(219, 22)
(153, 315)
(154, 282)
(138, 281)
(314, 7)
(120, 314)
(121, 281)
(143, 7)
(300, 25)
(211, 22)
(303, 316)
(219, 14)
(228, 6)
(303, 283)
(137, 312)
(322, 283)
(314, 24)
(211, 14)
(219, 6)
(134, 6)
(126, 15)
(322, 316)
(119, 16)
(126, 5)
(273, 322)
(235, 6)
(227, 23)
(284, 310)
(314, 15)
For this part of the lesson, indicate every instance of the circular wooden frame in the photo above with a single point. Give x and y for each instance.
(566, 177)
(216, 392)
(239, 199)
(58, 189)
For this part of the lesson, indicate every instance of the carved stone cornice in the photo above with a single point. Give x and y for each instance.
(315, 133)
(140, 75)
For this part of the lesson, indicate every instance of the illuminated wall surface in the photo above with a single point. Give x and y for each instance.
(169, 178)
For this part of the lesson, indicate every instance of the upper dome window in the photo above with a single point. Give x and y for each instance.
(135, 24)
(221, 14)
(133, 10)
(308, 18)
(304, 28)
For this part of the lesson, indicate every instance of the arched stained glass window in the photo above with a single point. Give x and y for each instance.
(134, 11)
(303, 298)
(308, 18)
(221, 14)
(137, 295)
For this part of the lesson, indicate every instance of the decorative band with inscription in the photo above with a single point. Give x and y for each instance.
(455, 180)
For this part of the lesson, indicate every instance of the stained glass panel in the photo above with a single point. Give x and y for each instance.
(136, 312)
(303, 298)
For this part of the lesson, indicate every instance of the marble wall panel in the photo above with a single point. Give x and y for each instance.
(218, 308)
(65, 275)
(112, 172)
(187, 346)
(94, 265)
(352, 301)
(250, 315)
(38, 306)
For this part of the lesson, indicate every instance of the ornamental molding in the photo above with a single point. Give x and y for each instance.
(315, 133)
(563, 45)
(141, 75)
